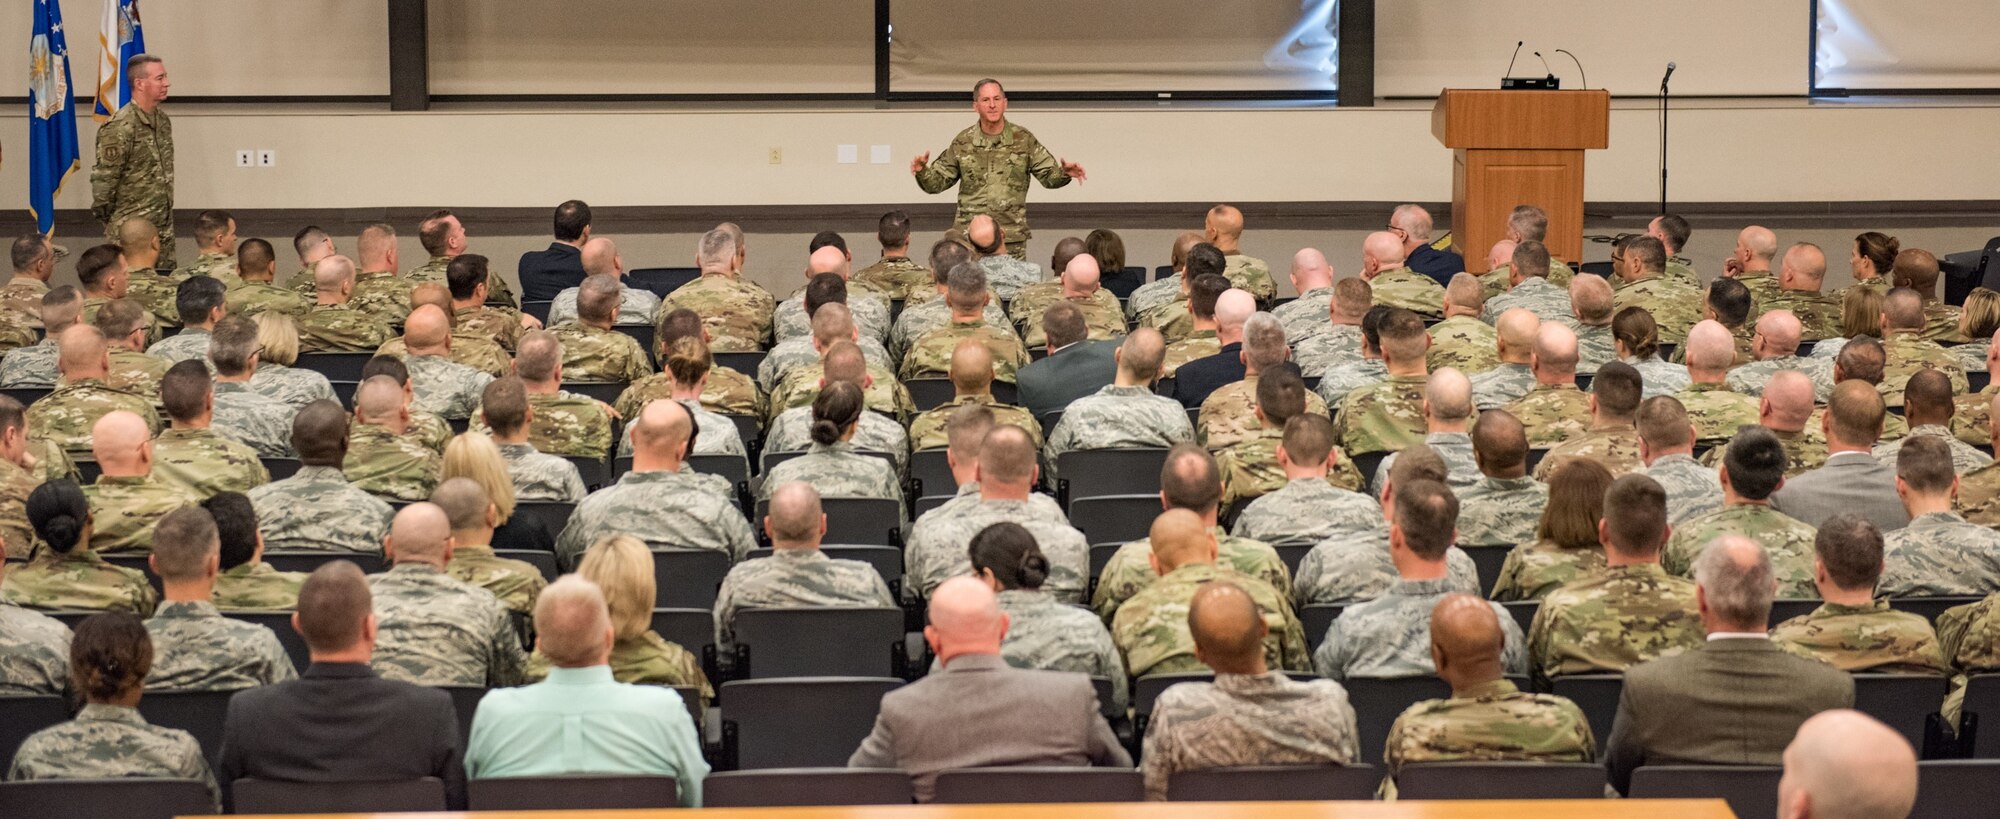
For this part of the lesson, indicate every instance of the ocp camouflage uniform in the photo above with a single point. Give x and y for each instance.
(795, 578)
(918, 320)
(1869, 638)
(1118, 417)
(499, 294)
(635, 306)
(64, 416)
(1547, 300)
(201, 463)
(1228, 415)
(884, 393)
(340, 328)
(737, 313)
(1196, 344)
(79, 580)
(1964, 458)
(146, 294)
(112, 742)
(564, 424)
(1532, 570)
(1501, 279)
(1390, 636)
(1336, 345)
(218, 266)
(34, 652)
(1347, 569)
(1763, 286)
(793, 353)
(1497, 511)
(124, 511)
(382, 294)
(391, 466)
(190, 344)
(434, 630)
(1552, 414)
(15, 334)
(1490, 722)
(1658, 376)
(1306, 316)
(1306, 510)
(1410, 290)
(251, 417)
(136, 372)
(663, 509)
(1941, 321)
(875, 432)
(938, 543)
(1750, 379)
(1151, 629)
(1385, 417)
(928, 430)
(1787, 541)
(1614, 619)
(1502, 385)
(478, 353)
(1128, 571)
(597, 354)
(502, 325)
(195, 648)
(931, 355)
(1970, 638)
(291, 385)
(1904, 354)
(1940, 554)
(1249, 273)
(515, 583)
(251, 299)
(992, 171)
(1595, 347)
(21, 297)
(1246, 719)
(257, 587)
(1979, 495)
(133, 175)
(727, 392)
(1173, 319)
(1804, 452)
(1615, 447)
(1250, 469)
(1103, 319)
(901, 277)
(317, 509)
(1464, 343)
(17, 537)
(1045, 634)
(1819, 314)
(302, 281)
(1345, 378)
(1716, 411)
(1675, 305)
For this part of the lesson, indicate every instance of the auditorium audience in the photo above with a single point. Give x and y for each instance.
(474, 510)
(1190, 480)
(436, 629)
(1631, 611)
(796, 574)
(1851, 630)
(1042, 632)
(1566, 545)
(68, 575)
(1005, 476)
(1852, 479)
(1150, 628)
(1939, 553)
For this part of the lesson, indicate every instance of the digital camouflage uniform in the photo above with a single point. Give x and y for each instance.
(1454, 448)
(64, 416)
(1390, 636)
(444, 387)
(1464, 343)
(837, 470)
(1532, 570)
(1595, 346)
(1385, 417)
(1717, 412)
(1306, 510)
(1552, 413)
(1692, 489)
(1964, 458)
(31, 366)
(1940, 554)
(992, 172)
(1128, 571)
(390, 466)
(1818, 313)
(868, 310)
(875, 432)
(647, 659)
(884, 393)
(1196, 344)
(34, 652)
(1615, 446)
(1658, 376)
(195, 648)
(257, 587)
(133, 175)
(1155, 293)
(542, 478)
(1490, 722)
(1612, 620)
(1342, 379)
(928, 430)
(1228, 415)
(930, 356)
(1118, 417)
(663, 509)
(382, 294)
(435, 630)
(1501, 279)
(124, 511)
(291, 385)
(1244, 720)
(318, 510)
(938, 544)
(190, 344)
(1504, 384)
(201, 463)
(1044, 633)
(1547, 300)
(1904, 354)
(793, 353)
(1410, 290)
(1501, 511)
(1750, 379)
(254, 419)
(796, 578)
(1675, 305)
(1971, 355)
(1351, 568)
(1103, 319)
(736, 313)
(1306, 316)
(565, 424)
(1869, 638)
(112, 742)
(918, 320)
(514, 583)
(715, 435)
(635, 306)
(899, 276)
(79, 580)
(1786, 541)
(1336, 345)
(1250, 274)
(1151, 629)
(341, 328)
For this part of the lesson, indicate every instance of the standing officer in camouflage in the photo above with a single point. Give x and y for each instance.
(434, 629)
(1852, 630)
(1629, 612)
(195, 648)
(317, 508)
(134, 172)
(797, 573)
(991, 162)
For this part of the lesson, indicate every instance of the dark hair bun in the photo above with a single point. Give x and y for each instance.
(1033, 571)
(825, 432)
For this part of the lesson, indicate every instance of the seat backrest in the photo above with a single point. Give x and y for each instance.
(862, 521)
(1956, 788)
(1787, 608)
(534, 525)
(806, 787)
(594, 470)
(1275, 783)
(280, 623)
(200, 713)
(1502, 780)
(742, 362)
(1292, 554)
(801, 722)
(544, 561)
(266, 796)
(932, 471)
(1487, 560)
(692, 629)
(687, 578)
(1904, 702)
(335, 366)
(1316, 618)
(1597, 695)
(1929, 607)
(464, 703)
(1751, 790)
(930, 393)
(1114, 518)
(1100, 556)
(887, 561)
(1982, 712)
(308, 561)
(568, 793)
(661, 280)
(1377, 703)
(26, 395)
(819, 641)
(1025, 784)
(732, 468)
(538, 309)
(1146, 690)
(22, 716)
(122, 798)
(1523, 612)
(1087, 473)
(281, 468)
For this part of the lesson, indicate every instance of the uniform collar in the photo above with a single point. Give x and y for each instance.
(587, 675)
(1500, 688)
(191, 609)
(104, 712)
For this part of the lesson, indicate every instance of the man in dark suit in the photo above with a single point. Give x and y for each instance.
(1412, 224)
(1075, 366)
(1195, 380)
(545, 273)
(979, 712)
(1737, 699)
(339, 722)
(1852, 480)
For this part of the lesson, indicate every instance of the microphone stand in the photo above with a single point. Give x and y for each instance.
(1663, 140)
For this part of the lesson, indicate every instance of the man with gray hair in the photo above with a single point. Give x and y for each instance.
(332, 324)
(967, 297)
(735, 311)
(592, 350)
(1412, 224)
(601, 258)
(1229, 416)
(433, 629)
(1530, 287)
(1738, 699)
(195, 648)
(564, 423)
(1463, 340)
(1525, 223)
(796, 574)
(1845, 765)
(579, 720)
(1312, 277)
(1590, 302)
(242, 413)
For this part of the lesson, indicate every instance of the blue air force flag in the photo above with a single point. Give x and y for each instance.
(119, 39)
(52, 153)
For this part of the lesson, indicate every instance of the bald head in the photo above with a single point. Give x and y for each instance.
(420, 533)
(1500, 254)
(1804, 266)
(1758, 242)
(333, 274)
(661, 434)
(379, 400)
(1590, 298)
(1710, 348)
(1382, 249)
(828, 259)
(972, 367)
(1788, 401)
(795, 518)
(427, 331)
(465, 504)
(1844, 764)
(81, 352)
(376, 247)
(1466, 640)
(1517, 329)
(1179, 538)
(1448, 398)
(1780, 330)
(832, 323)
(1903, 310)
(1233, 308)
(136, 235)
(1227, 627)
(1310, 270)
(985, 235)
(965, 619)
(1555, 353)
(1225, 222)
(116, 441)
(600, 257)
(1081, 276)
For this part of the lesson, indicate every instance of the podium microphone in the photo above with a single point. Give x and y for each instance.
(1585, 78)
(1664, 77)
(1517, 55)
(1553, 82)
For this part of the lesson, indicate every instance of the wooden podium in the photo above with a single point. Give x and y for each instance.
(1518, 148)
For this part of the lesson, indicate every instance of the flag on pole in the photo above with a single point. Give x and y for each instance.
(52, 153)
(118, 39)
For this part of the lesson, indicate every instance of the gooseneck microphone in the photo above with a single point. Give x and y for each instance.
(1517, 55)
(1581, 76)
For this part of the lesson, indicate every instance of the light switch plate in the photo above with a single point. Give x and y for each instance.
(878, 154)
(847, 154)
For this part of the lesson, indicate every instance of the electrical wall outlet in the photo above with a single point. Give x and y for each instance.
(846, 154)
(267, 158)
(777, 156)
(246, 159)
(878, 154)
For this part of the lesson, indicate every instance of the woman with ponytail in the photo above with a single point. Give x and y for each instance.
(1042, 633)
(832, 465)
(64, 574)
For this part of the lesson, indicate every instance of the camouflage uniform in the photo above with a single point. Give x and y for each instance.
(1173, 319)
(1334, 346)
(1118, 417)
(33, 366)
(1390, 636)
(1594, 346)
(1819, 314)
(254, 298)
(1228, 416)
(1306, 510)
(1941, 321)
(1979, 495)
(501, 325)
(64, 416)
(1196, 344)
(564, 424)
(1151, 629)
(1249, 273)
(318, 510)
(137, 373)
(1156, 293)
(1464, 343)
(715, 435)
(149, 291)
(478, 353)
(1788, 543)
(796, 578)
(595, 354)
(1547, 300)
(1869, 638)
(124, 511)
(133, 176)
(793, 353)
(1658, 376)
(1692, 489)
(1242, 719)
(837, 470)
(291, 385)
(195, 648)
(1349, 569)
(667, 510)
(1045, 634)
(937, 547)
(1904, 355)
(647, 659)
(1338, 381)
(635, 306)
(22, 298)
(1384, 417)
(390, 466)
(899, 276)
(1502, 385)
(444, 387)
(1410, 290)
(112, 742)
(255, 419)
(1532, 570)
(727, 392)
(1972, 355)
(257, 587)
(918, 320)
(498, 293)
(1763, 286)
(737, 313)
(218, 266)
(1613, 619)
(382, 294)
(1717, 412)
(201, 463)
(1306, 316)
(16, 483)
(1552, 414)
(1454, 448)
(1616, 447)
(542, 478)
(1964, 458)
(1501, 279)
(1967, 636)
(514, 583)
(1103, 319)
(992, 171)
(1490, 722)
(79, 580)
(190, 344)
(1501, 511)
(1750, 379)
(966, 498)
(1249, 469)
(931, 355)
(35, 659)
(875, 432)
(340, 328)
(928, 432)
(1128, 572)
(1940, 553)
(435, 630)
(884, 394)
(869, 311)
(1675, 305)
